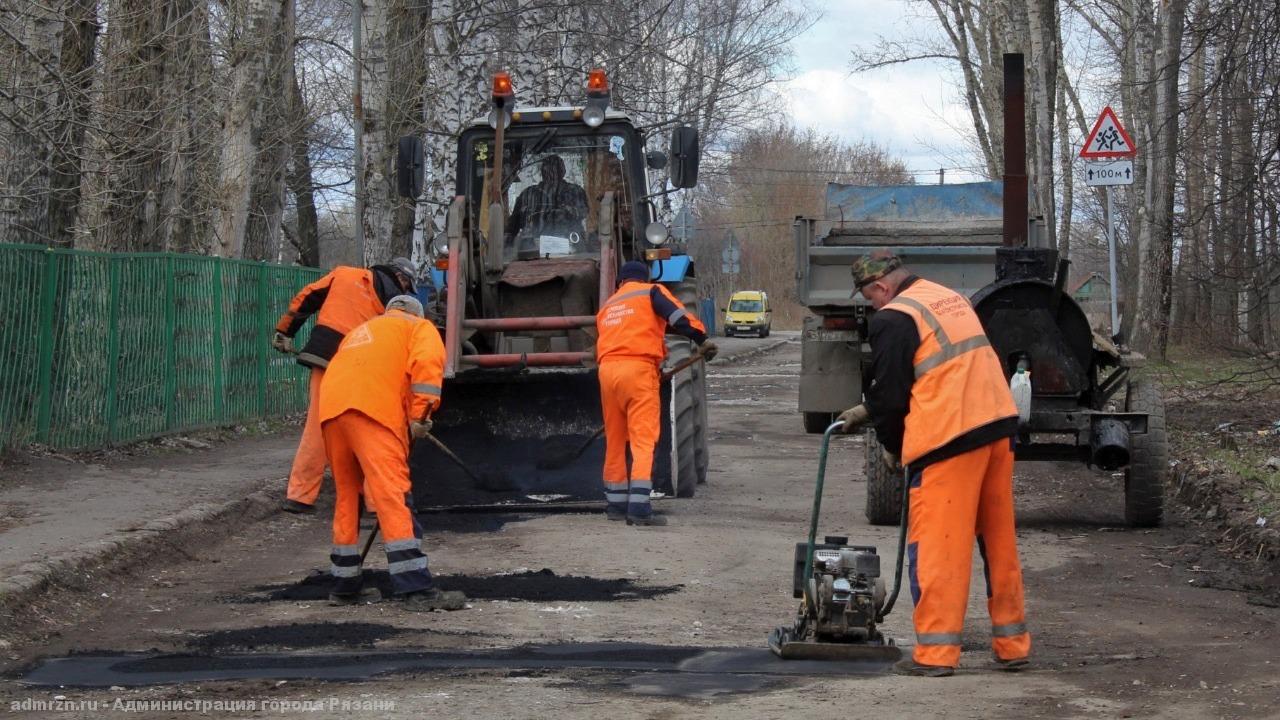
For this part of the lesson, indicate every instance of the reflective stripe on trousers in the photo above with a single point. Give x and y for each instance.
(629, 400)
(356, 442)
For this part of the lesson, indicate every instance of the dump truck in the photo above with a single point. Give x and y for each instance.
(957, 235)
(550, 201)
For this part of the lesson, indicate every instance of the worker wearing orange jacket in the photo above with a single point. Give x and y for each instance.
(630, 350)
(380, 388)
(344, 298)
(939, 400)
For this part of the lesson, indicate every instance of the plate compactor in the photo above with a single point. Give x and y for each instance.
(842, 596)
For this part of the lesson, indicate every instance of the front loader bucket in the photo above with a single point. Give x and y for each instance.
(499, 422)
(505, 424)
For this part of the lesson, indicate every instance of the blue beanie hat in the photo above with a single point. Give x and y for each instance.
(634, 270)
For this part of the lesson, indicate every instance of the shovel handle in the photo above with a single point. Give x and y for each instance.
(456, 460)
(695, 357)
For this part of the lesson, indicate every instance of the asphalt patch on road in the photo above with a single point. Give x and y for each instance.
(654, 668)
(533, 586)
(297, 635)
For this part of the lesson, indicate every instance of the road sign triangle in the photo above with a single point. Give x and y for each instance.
(1108, 139)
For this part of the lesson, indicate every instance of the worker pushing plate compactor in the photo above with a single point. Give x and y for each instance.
(842, 595)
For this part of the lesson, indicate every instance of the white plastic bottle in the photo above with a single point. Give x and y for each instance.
(1020, 386)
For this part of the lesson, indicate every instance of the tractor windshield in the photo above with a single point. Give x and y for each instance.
(553, 184)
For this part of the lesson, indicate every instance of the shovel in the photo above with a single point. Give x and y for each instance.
(555, 459)
(484, 482)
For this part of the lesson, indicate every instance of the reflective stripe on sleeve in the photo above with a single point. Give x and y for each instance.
(673, 317)
(425, 388)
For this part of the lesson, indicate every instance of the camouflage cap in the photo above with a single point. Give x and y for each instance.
(873, 266)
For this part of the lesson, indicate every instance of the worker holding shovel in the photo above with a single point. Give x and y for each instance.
(630, 350)
(380, 388)
(341, 300)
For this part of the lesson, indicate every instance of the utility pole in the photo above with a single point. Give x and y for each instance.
(942, 176)
(357, 106)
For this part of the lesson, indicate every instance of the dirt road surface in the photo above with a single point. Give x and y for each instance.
(1122, 625)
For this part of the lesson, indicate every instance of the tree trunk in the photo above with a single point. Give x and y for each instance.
(307, 238)
(79, 46)
(1155, 290)
(263, 238)
(256, 24)
(28, 65)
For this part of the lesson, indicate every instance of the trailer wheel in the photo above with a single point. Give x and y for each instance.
(884, 486)
(689, 389)
(1144, 479)
(816, 423)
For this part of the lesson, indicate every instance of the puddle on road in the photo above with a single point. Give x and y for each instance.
(534, 586)
(659, 669)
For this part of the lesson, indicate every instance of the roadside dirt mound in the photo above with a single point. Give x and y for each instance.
(535, 586)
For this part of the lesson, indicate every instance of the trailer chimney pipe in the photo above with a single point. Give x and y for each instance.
(1015, 152)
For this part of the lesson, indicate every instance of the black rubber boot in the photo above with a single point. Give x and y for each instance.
(367, 595)
(297, 508)
(435, 599)
(1014, 665)
(614, 513)
(907, 666)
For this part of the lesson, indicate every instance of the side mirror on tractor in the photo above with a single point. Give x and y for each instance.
(684, 157)
(409, 167)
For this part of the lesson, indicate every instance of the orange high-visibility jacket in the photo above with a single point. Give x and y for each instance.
(344, 298)
(959, 384)
(632, 322)
(389, 368)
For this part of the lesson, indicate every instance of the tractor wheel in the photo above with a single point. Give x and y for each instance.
(1144, 479)
(816, 423)
(689, 402)
(884, 486)
(689, 389)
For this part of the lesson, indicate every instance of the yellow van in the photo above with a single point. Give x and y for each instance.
(748, 312)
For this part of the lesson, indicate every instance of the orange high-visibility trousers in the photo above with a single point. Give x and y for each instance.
(629, 399)
(309, 462)
(364, 452)
(954, 501)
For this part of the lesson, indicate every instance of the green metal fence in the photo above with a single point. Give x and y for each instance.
(104, 348)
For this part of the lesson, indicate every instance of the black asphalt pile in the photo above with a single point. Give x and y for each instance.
(533, 586)
(297, 635)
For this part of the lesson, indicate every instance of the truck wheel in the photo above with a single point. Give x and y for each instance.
(764, 333)
(816, 423)
(884, 486)
(690, 392)
(1144, 479)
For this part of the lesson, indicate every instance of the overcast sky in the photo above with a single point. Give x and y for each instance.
(914, 110)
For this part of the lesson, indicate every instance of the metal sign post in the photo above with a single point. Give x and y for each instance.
(730, 258)
(1109, 151)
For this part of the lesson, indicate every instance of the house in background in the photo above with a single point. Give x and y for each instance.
(1093, 293)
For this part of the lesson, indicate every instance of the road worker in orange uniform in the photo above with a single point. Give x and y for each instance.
(344, 298)
(939, 401)
(630, 349)
(380, 388)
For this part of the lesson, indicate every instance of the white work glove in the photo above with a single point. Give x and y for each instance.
(891, 460)
(282, 342)
(420, 428)
(854, 418)
(709, 350)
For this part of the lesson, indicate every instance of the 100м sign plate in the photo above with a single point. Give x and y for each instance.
(1108, 172)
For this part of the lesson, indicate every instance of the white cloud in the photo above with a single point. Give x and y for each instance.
(914, 110)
